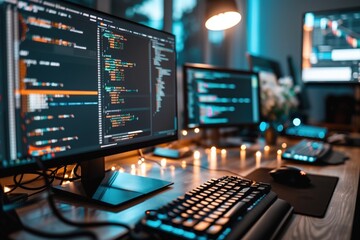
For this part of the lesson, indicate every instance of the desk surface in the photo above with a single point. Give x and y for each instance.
(191, 172)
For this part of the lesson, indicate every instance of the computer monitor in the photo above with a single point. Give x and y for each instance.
(331, 46)
(78, 85)
(263, 64)
(216, 97)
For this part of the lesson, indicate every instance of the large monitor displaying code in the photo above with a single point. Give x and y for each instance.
(331, 46)
(220, 97)
(77, 81)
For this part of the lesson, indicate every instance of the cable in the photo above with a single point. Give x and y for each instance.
(66, 221)
(63, 177)
(72, 234)
(10, 217)
(75, 169)
(21, 184)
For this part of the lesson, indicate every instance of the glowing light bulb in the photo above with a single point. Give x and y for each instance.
(223, 154)
(257, 158)
(223, 21)
(113, 168)
(163, 162)
(278, 157)
(284, 145)
(184, 132)
(183, 164)
(6, 189)
(197, 154)
(196, 130)
(243, 147)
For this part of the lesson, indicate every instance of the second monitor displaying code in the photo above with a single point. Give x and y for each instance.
(217, 96)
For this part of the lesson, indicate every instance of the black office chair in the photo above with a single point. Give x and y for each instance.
(258, 64)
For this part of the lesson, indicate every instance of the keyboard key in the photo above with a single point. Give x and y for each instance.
(201, 226)
(214, 230)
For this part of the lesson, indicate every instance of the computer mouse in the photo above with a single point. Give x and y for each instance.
(291, 176)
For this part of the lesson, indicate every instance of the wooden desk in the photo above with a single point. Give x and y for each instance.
(187, 174)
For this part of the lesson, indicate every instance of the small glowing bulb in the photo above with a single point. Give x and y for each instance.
(258, 158)
(197, 154)
(66, 176)
(279, 152)
(121, 170)
(163, 162)
(184, 133)
(284, 145)
(6, 189)
(223, 151)
(140, 162)
(183, 164)
(133, 166)
(213, 149)
(196, 130)
(266, 148)
(243, 147)
(296, 121)
(112, 168)
(142, 159)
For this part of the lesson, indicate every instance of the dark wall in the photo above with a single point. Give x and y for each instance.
(280, 36)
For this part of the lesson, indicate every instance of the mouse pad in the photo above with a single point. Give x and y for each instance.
(312, 200)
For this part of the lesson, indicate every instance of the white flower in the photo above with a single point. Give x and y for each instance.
(278, 97)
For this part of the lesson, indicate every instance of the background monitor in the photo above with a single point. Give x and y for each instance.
(77, 84)
(220, 97)
(331, 46)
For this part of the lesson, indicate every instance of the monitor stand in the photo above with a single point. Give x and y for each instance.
(111, 188)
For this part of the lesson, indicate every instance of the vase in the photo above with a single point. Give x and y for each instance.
(271, 135)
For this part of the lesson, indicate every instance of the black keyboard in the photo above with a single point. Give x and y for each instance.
(308, 151)
(225, 208)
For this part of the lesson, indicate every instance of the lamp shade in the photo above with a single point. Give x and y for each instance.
(221, 14)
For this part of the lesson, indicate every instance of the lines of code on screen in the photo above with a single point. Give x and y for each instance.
(216, 97)
(81, 81)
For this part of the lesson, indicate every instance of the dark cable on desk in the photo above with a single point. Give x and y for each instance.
(19, 183)
(10, 217)
(63, 178)
(76, 233)
(66, 221)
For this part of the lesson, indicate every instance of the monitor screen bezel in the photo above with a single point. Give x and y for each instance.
(202, 66)
(316, 82)
(28, 165)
